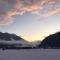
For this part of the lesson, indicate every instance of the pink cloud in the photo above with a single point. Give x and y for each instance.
(20, 7)
(52, 12)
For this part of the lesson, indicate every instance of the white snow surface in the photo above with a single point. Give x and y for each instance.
(30, 54)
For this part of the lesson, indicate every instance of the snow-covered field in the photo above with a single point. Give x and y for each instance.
(30, 54)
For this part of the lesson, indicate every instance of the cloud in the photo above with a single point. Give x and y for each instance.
(11, 8)
(51, 12)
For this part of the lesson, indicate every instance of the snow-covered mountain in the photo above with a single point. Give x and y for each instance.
(9, 37)
(12, 40)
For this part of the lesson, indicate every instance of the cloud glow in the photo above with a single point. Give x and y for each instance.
(11, 8)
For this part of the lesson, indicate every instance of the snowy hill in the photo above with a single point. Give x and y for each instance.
(12, 41)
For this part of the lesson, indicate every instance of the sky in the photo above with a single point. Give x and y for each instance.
(32, 20)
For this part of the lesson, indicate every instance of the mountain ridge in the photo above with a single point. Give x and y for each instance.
(8, 36)
(51, 41)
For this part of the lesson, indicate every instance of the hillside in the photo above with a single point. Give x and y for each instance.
(12, 41)
(52, 41)
(9, 37)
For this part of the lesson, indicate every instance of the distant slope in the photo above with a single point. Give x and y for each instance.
(9, 37)
(52, 41)
(12, 41)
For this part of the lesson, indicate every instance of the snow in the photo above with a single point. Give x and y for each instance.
(30, 54)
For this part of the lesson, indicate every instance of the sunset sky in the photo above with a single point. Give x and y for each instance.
(31, 19)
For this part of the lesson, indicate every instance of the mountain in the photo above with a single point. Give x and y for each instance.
(8, 40)
(8, 36)
(52, 41)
